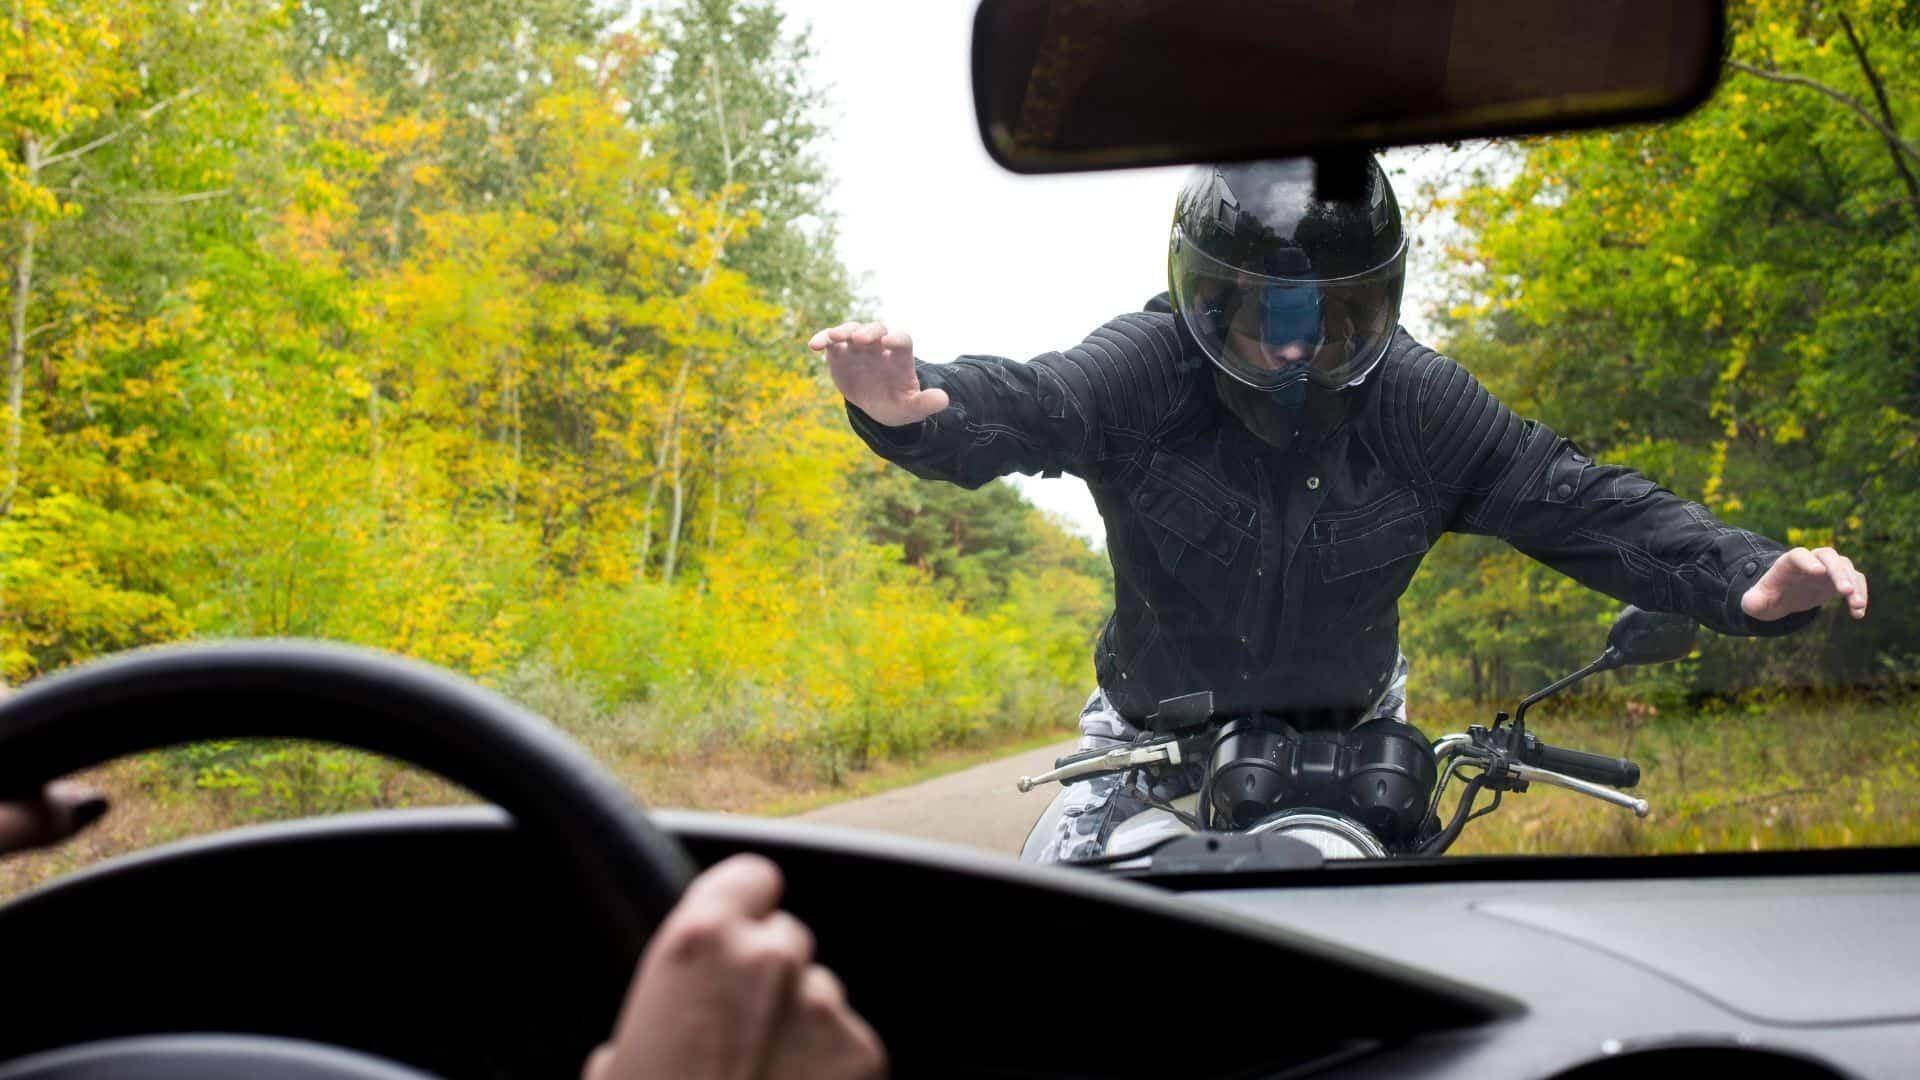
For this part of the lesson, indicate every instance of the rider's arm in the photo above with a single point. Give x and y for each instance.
(1050, 414)
(1606, 526)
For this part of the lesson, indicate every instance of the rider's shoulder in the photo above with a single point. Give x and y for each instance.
(1151, 338)
(1412, 372)
(1138, 357)
(1409, 360)
(1136, 372)
(1152, 333)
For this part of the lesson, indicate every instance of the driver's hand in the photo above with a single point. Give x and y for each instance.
(63, 809)
(728, 988)
(1803, 579)
(873, 367)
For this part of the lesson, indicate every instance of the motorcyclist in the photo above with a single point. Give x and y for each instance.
(1273, 454)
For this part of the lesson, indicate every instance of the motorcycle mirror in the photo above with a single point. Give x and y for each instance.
(1648, 637)
(1067, 85)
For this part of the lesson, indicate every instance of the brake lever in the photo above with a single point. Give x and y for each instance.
(1532, 773)
(1503, 771)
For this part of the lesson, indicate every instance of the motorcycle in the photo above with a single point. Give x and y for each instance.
(1267, 794)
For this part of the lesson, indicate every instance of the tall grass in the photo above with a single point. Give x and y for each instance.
(1747, 776)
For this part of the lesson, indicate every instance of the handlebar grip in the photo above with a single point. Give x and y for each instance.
(1080, 755)
(1597, 768)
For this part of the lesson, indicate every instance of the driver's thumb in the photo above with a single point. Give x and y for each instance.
(599, 1064)
(62, 809)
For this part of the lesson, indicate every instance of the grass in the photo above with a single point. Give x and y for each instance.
(1760, 776)
(1765, 775)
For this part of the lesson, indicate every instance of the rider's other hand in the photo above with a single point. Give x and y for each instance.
(1803, 579)
(63, 809)
(873, 367)
(728, 988)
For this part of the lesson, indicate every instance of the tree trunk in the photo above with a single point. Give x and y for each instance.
(513, 478)
(397, 221)
(673, 520)
(668, 435)
(373, 433)
(645, 552)
(17, 326)
(713, 499)
(686, 367)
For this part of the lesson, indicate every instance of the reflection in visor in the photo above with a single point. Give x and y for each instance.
(1289, 315)
(1270, 332)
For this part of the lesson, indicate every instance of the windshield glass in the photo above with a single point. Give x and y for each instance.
(480, 333)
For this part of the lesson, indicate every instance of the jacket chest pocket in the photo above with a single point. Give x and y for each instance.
(1201, 535)
(1364, 564)
(1194, 514)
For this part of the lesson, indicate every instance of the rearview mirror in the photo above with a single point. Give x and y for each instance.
(1062, 85)
(1649, 637)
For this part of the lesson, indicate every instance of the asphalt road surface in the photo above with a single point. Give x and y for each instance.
(978, 807)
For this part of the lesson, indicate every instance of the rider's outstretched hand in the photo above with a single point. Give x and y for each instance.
(1803, 579)
(873, 367)
(728, 989)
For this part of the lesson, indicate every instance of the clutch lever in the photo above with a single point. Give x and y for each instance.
(1095, 763)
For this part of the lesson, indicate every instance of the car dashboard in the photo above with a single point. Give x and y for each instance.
(438, 938)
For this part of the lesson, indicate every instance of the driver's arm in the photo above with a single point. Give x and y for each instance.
(63, 808)
(728, 988)
(1608, 527)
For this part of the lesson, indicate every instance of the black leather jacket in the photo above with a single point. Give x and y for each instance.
(1272, 577)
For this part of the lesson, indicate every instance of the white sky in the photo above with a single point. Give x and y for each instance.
(964, 256)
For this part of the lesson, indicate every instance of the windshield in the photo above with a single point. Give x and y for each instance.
(480, 333)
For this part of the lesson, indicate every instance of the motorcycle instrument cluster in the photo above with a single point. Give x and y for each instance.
(1380, 773)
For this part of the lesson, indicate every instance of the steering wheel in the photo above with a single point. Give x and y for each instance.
(367, 700)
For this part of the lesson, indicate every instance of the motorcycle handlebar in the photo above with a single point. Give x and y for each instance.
(1594, 768)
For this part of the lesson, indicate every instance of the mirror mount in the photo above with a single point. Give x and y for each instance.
(1606, 662)
(1341, 175)
(1637, 637)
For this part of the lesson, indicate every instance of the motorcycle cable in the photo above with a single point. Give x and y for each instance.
(1135, 786)
(1439, 844)
(1203, 813)
(1485, 810)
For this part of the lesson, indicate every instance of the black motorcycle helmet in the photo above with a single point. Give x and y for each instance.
(1283, 283)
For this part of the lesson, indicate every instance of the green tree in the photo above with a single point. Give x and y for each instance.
(1737, 295)
(728, 96)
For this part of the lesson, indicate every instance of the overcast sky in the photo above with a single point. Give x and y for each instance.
(966, 257)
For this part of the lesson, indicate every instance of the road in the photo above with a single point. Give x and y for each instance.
(978, 807)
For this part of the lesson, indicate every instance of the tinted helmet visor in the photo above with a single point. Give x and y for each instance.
(1271, 332)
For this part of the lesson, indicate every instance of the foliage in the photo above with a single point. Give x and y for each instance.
(472, 332)
(1729, 303)
(1773, 772)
